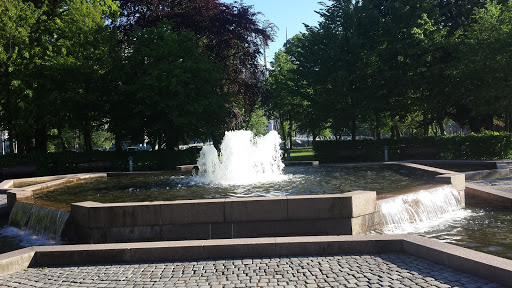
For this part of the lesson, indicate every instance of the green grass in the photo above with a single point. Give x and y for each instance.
(302, 154)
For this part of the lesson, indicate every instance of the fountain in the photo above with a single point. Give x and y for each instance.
(219, 203)
(244, 160)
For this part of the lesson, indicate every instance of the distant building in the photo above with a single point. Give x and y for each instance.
(272, 125)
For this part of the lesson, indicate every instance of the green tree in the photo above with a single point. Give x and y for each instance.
(174, 89)
(484, 64)
(81, 81)
(17, 21)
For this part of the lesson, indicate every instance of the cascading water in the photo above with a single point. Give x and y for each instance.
(44, 224)
(244, 160)
(420, 211)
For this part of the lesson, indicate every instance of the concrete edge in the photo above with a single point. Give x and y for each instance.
(6, 184)
(13, 194)
(301, 163)
(476, 263)
(118, 174)
(498, 197)
(16, 260)
(187, 167)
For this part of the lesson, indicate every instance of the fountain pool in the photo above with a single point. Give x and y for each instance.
(296, 180)
(271, 179)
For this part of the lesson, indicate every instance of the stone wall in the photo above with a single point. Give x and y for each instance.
(334, 214)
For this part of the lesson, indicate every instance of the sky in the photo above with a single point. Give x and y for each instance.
(285, 13)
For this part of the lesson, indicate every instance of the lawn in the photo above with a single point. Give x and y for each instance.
(302, 154)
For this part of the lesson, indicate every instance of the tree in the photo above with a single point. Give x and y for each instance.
(174, 90)
(17, 20)
(80, 77)
(231, 33)
(63, 45)
(367, 62)
(484, 64)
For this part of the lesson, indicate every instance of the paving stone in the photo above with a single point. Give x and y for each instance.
(386, 270)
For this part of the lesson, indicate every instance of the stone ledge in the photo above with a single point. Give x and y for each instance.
(13, 194)
(483, 265)
(301, 163)
(328, 214)
(187, 167)
(473, 262)
(497, 197)
(16, 260)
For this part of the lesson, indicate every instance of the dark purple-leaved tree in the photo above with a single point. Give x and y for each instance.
(231, 33)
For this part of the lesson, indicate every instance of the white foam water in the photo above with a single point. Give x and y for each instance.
(244, 160)
(421, 211)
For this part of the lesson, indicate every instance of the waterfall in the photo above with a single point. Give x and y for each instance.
(45, 222)
(420, 211)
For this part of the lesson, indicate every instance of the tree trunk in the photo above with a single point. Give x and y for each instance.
(354, 129)
(41, 139)
(290, 125)
(87, 138)
(61, 139)
(377, 127)
(283, 132)
(119, 142)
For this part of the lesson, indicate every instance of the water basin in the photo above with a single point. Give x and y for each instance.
(298, 180)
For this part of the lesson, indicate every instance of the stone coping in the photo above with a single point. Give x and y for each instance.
(495, 168)
(476, 193)
(476, 263)
(329, 214)
(118, 174)
(13, 194)
(301, 163)
(187, 167)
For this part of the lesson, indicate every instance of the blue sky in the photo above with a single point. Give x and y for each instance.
(285, 13)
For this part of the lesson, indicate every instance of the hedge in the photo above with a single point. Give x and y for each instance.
(486, 146)
(75, 162)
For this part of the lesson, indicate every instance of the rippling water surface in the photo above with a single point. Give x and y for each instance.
(299, 180)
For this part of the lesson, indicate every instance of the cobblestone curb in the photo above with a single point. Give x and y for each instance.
(475, 263)
(383, 270)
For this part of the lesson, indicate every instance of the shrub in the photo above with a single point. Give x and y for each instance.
(75, 162)
(485, 146)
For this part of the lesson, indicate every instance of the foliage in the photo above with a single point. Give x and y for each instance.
(258, 122)
(231, 33)
(75, 162)
(60, 83)
(485, 146)
(399, 67)
(17, 22)
(174, 89)
(485, 60)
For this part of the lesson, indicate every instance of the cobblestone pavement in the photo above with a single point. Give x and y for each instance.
(386, 270)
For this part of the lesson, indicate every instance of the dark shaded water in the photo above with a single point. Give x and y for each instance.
(179, 186)
(8, 243)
